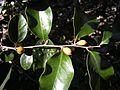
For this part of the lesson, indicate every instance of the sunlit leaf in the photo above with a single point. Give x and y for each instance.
(26, 61)
(61, 75)
(17, 28)
(106, 37)
(9, 57)
(40, 22)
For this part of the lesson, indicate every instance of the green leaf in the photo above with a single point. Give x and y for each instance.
(40, 22)
(86, 29)
(6, 79)
(107, 72)
(26, 61)
(97, 83)
(78, 18)
(61, 75)
(106, 37)
(17, 28)
(42, 55)
(95, 61)
(9, 57)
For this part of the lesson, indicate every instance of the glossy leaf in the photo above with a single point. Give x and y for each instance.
(26, 61)
(9, 57)
(17, 28)
(95, 61)
(40, 22)
(86, 29)
(106, 37)
(61, 75)
(42, 55)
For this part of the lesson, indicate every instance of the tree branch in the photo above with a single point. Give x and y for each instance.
(51, 46)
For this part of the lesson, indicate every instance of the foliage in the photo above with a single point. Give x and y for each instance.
(44, 28)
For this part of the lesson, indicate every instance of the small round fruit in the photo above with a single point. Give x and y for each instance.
(81, 42)
(67, 51)
(20, 50)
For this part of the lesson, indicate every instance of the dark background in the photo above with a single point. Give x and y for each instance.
(62, 33)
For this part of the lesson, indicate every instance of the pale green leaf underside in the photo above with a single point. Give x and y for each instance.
(26, 61)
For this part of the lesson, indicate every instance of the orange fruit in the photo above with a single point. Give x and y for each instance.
(20, 50)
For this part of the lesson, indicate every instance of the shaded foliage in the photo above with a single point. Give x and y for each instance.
(70, 17)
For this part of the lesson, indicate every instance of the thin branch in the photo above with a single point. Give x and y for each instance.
(51, 46)
(7, 47)
(74, 23)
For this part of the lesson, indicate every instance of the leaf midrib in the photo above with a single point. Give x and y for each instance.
(58, 69)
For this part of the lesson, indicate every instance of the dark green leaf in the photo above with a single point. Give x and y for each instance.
(78, 18)
(26, 61)
(9, 57)
(107, 72)
(42, 55)
(97, 83)
(86, 29)
(17, 28)
(40, 22)
(95, 61)
(61, 75)
(106, 37)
